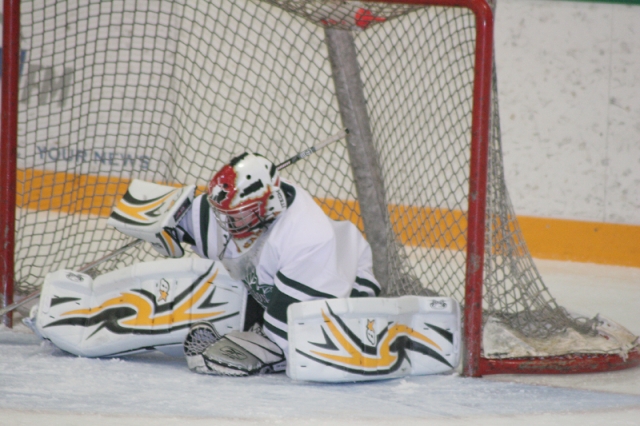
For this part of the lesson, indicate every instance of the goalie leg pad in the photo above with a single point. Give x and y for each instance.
(137, 308)
(243, 353)
(360, 339)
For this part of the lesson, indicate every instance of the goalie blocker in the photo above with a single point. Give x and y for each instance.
(151, 212)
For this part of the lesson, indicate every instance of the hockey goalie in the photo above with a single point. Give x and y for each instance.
(279, 286)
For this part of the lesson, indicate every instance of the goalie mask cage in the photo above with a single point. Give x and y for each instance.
(168, 91)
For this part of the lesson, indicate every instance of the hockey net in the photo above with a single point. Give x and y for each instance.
(170, 91)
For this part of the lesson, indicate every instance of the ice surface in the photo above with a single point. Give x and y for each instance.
(37, 376)
(40, 384)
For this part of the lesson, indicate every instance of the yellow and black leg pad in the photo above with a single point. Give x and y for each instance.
(146, 306)
(358, 339)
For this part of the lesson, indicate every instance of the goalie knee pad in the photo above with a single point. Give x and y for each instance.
(242, 353)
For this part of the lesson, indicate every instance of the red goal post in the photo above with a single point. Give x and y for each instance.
(8, 148)
(489, 228)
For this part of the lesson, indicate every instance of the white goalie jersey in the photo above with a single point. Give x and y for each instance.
(302, 256)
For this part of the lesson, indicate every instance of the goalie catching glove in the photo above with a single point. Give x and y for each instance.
(238, 353)
(151, 212)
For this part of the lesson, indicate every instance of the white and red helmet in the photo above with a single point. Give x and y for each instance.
(245, 195)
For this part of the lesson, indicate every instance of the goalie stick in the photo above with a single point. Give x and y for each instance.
(315, 148)
(301, 155)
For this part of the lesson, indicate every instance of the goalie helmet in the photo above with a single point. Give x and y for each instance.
(245, 195)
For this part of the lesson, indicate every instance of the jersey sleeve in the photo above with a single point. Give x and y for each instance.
(199, 229)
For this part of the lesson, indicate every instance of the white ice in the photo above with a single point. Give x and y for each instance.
(41, 385)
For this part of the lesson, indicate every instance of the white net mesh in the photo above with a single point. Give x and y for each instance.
(170, 91)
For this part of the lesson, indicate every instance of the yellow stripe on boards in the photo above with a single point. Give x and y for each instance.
(445, 229)
(555, 239)
(67, 192)
(577, 241)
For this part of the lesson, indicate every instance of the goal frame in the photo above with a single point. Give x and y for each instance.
(475, 364)
(9, 149)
